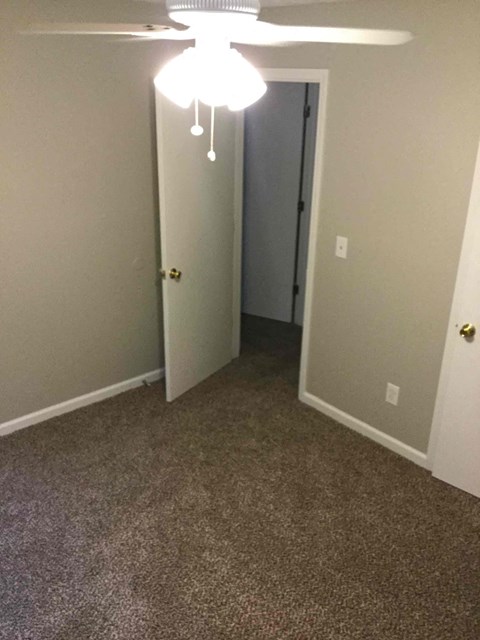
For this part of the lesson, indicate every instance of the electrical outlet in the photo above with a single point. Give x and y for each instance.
(341, 246)
(392, 393)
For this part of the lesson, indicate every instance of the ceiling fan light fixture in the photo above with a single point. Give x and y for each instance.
(217, 76)
(246, 84)
(176, 80)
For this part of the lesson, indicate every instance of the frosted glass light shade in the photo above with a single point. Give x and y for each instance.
(216, 77)
(176, 79)
(246, 84)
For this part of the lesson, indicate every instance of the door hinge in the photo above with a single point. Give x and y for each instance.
(296, 289)
(300, 206)
(306, 111)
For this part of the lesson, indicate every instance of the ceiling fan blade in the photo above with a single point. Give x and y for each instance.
(166, 31)
(166, 34)
(169, 34)
(266, 33)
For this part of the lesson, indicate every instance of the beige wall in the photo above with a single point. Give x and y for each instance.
(78, 205)
(78, 302)
(402, 132)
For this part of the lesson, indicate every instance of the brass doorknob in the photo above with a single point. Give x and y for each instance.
(468, 330)
(175, 274)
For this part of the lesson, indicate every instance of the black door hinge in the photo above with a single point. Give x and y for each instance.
(300, 206)
(306, 111)
(296, 289)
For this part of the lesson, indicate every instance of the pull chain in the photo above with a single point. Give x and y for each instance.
(211, 155)
(196, 130)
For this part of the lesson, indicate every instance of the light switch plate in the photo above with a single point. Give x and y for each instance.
(341, 247)
(392, 393)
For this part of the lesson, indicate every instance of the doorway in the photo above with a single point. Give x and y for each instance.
(201, 237)
(279, 157)
(279, 146)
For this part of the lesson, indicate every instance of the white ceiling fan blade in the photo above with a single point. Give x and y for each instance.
(167, 34)
(163, 31)
(171, 34)
(265, 33)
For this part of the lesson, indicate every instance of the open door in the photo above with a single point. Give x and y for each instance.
(456, 449)
(197, 233)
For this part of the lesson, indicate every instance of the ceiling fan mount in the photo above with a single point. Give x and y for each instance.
(248, 7)
(218, 17)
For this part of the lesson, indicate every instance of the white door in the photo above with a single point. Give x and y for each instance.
(456, 456)
(196, 231)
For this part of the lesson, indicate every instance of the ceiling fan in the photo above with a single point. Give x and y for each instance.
(235, 20)
(212, 72)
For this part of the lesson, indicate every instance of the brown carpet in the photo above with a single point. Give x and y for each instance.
(234, 513)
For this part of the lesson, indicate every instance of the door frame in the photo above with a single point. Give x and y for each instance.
(471, 239)
(314, 76)
(238, 233)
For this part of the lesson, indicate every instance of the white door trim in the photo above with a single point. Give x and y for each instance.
(321, 76)
(364, 429)
(80, 401)
(470, 240)
(238, 233)
(318, 76)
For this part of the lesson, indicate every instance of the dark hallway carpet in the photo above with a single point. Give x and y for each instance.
(234, 513)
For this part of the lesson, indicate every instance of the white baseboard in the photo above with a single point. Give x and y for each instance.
(80, 401)
(365, 429)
